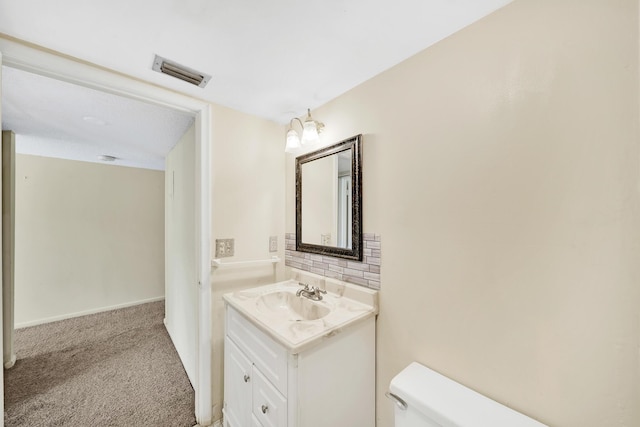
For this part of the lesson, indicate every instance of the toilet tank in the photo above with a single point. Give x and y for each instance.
(425, 398)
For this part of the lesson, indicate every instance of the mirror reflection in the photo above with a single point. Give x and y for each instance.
(328, 197)
(326, 201)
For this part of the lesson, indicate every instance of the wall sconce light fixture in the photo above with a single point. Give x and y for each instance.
(310, 133)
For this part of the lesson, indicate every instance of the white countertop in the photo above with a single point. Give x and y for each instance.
(298, 335)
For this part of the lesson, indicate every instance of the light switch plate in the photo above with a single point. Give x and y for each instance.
(224, 248)
(273, 244)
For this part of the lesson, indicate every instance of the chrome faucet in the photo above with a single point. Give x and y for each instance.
(314, 293)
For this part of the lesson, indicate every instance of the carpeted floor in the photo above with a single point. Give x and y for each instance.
(117, 368)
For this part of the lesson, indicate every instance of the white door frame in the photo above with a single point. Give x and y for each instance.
(1, 301)
(17, 54)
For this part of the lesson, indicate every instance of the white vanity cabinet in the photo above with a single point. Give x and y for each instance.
(330, 383)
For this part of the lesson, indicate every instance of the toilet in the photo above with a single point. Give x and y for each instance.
(425, 398)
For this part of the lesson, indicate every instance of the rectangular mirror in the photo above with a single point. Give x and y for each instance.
(329, 200)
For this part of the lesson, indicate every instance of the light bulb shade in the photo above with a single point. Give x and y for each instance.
(309, 132)
(293, 141)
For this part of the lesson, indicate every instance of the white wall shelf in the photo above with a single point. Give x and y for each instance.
(219, 264)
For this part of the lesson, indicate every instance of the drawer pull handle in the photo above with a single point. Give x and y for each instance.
(264, 408)
(246, 378)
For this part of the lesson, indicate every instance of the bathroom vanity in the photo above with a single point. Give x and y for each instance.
(294, 362)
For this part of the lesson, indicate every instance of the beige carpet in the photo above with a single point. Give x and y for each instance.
(117, 368)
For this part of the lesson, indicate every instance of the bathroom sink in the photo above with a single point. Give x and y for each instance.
(297, 322)
(285, 304)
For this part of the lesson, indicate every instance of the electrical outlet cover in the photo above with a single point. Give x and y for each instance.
(273, 244)
(224, 248)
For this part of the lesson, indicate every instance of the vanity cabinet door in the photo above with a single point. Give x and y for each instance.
(237, 386)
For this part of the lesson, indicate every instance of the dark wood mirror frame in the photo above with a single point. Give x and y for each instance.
(355, 252)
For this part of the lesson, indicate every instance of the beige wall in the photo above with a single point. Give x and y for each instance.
(248, 206)
(88, 236)
(501, 169)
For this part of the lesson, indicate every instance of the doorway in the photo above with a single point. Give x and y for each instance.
(27, 58)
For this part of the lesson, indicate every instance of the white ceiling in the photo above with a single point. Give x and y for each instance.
(87, 123)
(272, 59)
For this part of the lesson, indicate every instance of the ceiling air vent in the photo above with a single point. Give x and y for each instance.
(181, 72)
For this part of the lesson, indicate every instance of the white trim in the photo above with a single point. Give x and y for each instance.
(1, 251)
(34, 60)
(204, 399)
(51, 64)
(85, 312)
(12, 361)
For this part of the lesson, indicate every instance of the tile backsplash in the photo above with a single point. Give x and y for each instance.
(365, 273)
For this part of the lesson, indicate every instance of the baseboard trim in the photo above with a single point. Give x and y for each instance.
(216, 424)
(85, 312)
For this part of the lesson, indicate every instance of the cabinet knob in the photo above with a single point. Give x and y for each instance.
(246, 378)
(264, 408)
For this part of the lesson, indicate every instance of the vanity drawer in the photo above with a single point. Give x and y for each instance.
(269, 356)
(269, 406)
